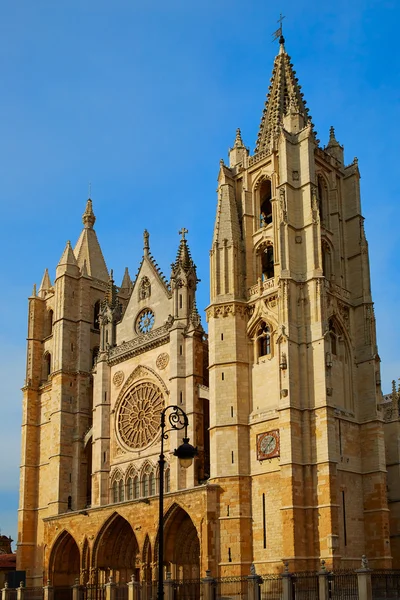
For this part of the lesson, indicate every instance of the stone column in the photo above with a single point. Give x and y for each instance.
(364, 580)
(48, 591)
(110, 589)
(323, 582)
(286, 583)
(133, 589)
(208, 589)
(168, 588)
(75, 589)
(21, 591)
(253, 583)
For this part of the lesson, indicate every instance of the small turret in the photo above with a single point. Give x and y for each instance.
(238, 152)
(67, 263)
(334, 148)
(183, 279)
(45, 285)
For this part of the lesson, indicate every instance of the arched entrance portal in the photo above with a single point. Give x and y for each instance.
(64, 561)
(181, 545)
(115, 551)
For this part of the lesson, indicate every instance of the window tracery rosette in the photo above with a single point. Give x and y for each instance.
(138, 415)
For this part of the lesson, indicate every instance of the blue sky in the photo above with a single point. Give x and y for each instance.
(142, 99)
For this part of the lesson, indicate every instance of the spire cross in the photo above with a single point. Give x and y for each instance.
(182, 232)
(278, 33)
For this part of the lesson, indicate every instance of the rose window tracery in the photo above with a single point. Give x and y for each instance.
(138, 417)
(145, 321)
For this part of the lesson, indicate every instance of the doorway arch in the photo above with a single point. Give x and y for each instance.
(115, 551)
(64, 563)
(181, 545)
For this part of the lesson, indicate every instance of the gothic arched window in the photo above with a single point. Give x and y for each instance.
(115, 491)
(267, 262)
(152, 485)
(333, 337)
(129, 488)
(121, 490)
(145, 485)
(167, 480)
(96, 313)
(136, 487)
(265, 203)
(263, 340)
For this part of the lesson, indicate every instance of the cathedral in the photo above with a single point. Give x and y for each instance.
(282, 395)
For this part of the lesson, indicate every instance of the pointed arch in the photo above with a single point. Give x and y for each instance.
(147, 559)
(339, 362)
(117, 486)
(147, 478)
(181, 544)
(96, 314)
(115, 549)
(47, 366)
(265, 260)
(262, 194)
(323, 198)
(327, 253)
(64, 561)
(130, 478)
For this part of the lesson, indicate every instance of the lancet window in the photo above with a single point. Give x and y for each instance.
(267, 262)
(96, 313)
(265, 203)
(263, 340)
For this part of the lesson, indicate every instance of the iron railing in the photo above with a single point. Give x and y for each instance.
(187, 589)
(305, 585)
(234, 588)
(342, 585)
(385, 583)
(271, 587)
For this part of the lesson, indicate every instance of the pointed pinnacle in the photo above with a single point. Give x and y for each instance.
(238, 140)
(146, 243)
(88, 217)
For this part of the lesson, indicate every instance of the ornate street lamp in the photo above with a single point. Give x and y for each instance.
(177, 419)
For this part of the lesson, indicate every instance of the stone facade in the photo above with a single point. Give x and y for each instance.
(283, 400)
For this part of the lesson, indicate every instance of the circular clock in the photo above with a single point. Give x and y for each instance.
(145, 321)
(268, 444)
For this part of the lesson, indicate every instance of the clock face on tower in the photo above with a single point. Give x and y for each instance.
(268, 445)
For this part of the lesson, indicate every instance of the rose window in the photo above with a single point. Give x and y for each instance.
(145, 321)
(138, 417)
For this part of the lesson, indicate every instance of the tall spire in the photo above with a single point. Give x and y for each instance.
(284, 98)
(87, 250)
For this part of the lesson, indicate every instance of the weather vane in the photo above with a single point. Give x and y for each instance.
(278, 33)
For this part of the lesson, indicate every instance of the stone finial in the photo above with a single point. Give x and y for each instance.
(146, 243)
(88, 217)
(323, 567)
(238, 139)
(286, 565)
(252, 569)
(34, 293)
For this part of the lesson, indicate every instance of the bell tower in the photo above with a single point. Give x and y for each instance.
(295, 431)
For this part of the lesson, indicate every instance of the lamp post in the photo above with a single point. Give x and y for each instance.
(177, 419)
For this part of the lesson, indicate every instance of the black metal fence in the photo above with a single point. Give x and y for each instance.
(90, 592)
(271, 587)
(305, 586)
(188, 589)
(121, 591)
(385, 584)
(234, 588)
(342, 585)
